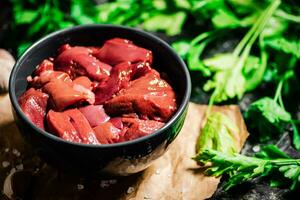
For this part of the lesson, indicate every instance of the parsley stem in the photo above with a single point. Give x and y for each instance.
(287, 16)
(278, 91)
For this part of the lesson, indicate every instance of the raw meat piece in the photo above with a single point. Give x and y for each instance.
(46, 76)
(84, 81)
(60, 125)
(118, 50)
(149, 96)
(117, 122)
(95, 114)
(63, 94)
(107, 133)
(47, 64)
(82, 126)
(34, 103)
(137, 128)
(71, 125)
(79, 61)
(120, 77)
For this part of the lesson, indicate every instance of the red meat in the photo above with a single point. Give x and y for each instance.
(149, 96)
(34, 103)
(78, 61)
(44, 66)
(84, 81)
(60, 125)
(137, 128)
(82, 126)
(117, 122)
(120, 77)
(71, 125)
(107, 133)
(94, 114)
(120, 50)
(46, 76)
(63, 94)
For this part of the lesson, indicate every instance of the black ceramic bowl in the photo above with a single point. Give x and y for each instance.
(120, 158)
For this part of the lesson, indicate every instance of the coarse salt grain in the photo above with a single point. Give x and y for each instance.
(5, 164)
(20, 167)
(130, 190)
(80, 186)
(16, 152)
(147, 196)
(256, 148)
(107, 183)
(6, 150)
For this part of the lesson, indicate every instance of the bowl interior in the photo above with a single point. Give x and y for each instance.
(165, 60)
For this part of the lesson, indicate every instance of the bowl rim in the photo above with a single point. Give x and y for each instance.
(168, 124)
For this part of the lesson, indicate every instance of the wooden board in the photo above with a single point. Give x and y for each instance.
(173, 176)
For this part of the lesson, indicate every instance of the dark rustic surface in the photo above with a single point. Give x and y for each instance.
(257, 189)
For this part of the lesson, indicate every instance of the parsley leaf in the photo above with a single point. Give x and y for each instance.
(242, 168)
(218, 133)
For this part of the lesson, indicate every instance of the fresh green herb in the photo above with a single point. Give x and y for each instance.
(287, 46)
(242, 168)
(218, 133)
(269, 117)
(229, 83)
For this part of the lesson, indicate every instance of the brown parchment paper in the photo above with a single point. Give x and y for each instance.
(173, 176)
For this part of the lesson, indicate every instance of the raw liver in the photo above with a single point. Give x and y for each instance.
(107, 133)
(71, 125)
(34, 103)
(138, 128)
(95, 114)
(120, 77)
(63, 94)
(149, 96)
(120, 50)
(78, 61)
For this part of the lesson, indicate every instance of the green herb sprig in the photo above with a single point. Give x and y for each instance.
(242, 168)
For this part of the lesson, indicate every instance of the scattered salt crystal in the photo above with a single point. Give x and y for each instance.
(80, 186)
(157, 172)
(112, 181)
(16, 152)
(6, 150)
(169, 175)
(104, 184)
(147, 196)
(107, 183)
(5, 164)
(130, 190)
(256, 148)
(20, 167)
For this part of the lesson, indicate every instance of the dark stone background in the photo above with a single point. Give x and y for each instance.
(256, 189)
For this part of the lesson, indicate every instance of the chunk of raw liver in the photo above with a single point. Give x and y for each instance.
(150, 97)
(79, 61)
(138, 128)
(107, 133)
(120, 77)
(46, 76)
(71, 125)
(84, 81)
(82, 126)
(63, 94)
(34, 103)
(60, 125)
(46, 65)
(95, 114)
(120, 50)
